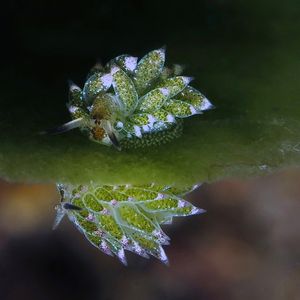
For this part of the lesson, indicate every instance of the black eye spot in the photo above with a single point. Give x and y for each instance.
(71, 206)
(96, 121)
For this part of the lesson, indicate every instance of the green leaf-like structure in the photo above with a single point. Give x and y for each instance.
(115, 218)
(130, 103)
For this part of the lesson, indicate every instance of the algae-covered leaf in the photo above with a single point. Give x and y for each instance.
(154, 99)
(179, 109)
(149, 68)
(170, 206)
(195, 98)
(142, 119)
(164, 116)
(138, 124)
(124, 88)
(75, 95)
(96, 84)
(127, 62)
(175, 84)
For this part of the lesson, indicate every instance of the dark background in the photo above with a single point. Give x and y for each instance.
(240, 249)
(45, 43)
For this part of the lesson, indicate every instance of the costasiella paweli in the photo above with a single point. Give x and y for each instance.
(129, 103)
(119, 218)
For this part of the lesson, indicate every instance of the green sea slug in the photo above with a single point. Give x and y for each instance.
(130, 103)
(124, 217)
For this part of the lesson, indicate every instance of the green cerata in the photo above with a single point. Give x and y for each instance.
(129, 103)
(115, 218)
